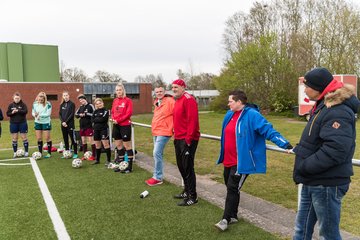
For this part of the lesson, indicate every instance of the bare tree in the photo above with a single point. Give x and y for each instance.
(73, 75)
(104, 76)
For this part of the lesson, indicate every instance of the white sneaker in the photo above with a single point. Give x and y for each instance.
(222, 225)
(26, 154)
(233, 220)
(15, 155)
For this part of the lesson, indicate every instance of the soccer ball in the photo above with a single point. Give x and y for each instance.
(76, 163)
(36, 155)
(87, 155)
(67, 154)
(20, 152)
(123, 165)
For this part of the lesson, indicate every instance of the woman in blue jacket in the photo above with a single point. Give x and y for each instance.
(243, 149)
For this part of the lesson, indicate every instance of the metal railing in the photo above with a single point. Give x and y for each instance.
(355, 162)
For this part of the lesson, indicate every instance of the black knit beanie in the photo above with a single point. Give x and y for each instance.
(318, 78)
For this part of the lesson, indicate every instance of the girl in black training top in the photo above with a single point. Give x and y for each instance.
(100, 120)
(66, 116)
(17, 111)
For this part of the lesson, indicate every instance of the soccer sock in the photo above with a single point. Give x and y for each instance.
(84, 147)
(121, 154)
(49, 144)
(93, 150)
(14, 145)
(75, 148)
(26, 145)
(130, 155)
(108, 154)
(40, 146)
(98, 152)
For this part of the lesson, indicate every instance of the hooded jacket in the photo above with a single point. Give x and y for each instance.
(20, 116)
(252, 129)
(324, 153)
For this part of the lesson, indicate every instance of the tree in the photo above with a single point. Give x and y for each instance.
(305, 34)
(262, 72)
(151, 78)
(73, 75)
(104, 76)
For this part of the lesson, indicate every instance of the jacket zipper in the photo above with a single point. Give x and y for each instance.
(312, 123)
(238, 124)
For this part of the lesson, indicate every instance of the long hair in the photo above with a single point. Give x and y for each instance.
(123, 88)
(41, 94)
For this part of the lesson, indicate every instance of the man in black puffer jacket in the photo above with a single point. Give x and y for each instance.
(323, 162)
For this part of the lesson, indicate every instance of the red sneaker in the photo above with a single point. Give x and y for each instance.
(91, 158)
(152, 182)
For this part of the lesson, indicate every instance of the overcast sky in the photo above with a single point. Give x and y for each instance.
(130, 38)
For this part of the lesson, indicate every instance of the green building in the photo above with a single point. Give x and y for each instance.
(29, 62)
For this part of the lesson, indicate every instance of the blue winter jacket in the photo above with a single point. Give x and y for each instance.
(251, 131)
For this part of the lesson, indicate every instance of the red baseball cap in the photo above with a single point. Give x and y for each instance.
(179, 82)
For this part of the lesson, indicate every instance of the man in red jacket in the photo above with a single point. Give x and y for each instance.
(186, 135)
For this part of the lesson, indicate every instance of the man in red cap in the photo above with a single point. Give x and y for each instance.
(186, 135)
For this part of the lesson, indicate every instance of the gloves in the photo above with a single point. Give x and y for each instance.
(289, 146)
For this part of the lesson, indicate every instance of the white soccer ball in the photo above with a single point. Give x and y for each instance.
(123, 165)
(36, 155)
(67, 154)
(20, 152)
(76, 163)
(87, 155)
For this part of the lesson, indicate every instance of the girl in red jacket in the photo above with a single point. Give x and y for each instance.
(121, 112)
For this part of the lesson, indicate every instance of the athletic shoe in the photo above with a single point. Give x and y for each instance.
(222, 225)
(126, 171)
(15, 155)
(91, 158)
(152, 182)
(187, 202)
(47, 155)
(233, 220)
(96, 162)
(26, 154)
(107, 164)
(75, 156)
(182, 195)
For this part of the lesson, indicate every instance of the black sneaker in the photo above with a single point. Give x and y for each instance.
(187, 202)
(182, 195)
(126, 171)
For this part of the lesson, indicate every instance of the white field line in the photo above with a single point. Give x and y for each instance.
(14, 164)
(13, 159)
(54, 214)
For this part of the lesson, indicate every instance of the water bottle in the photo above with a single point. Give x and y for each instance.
(144, 194)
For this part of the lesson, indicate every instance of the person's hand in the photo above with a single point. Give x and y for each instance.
(64, 124)
(14, 111)
(289, 148)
